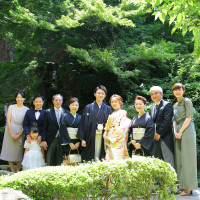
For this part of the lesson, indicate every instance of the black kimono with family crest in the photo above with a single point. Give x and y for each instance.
(91, 116)
(147, 142)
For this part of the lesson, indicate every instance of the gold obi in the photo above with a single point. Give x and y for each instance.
(138, 133)
(72, 132)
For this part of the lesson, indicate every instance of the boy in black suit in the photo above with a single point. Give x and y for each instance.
(34, 115)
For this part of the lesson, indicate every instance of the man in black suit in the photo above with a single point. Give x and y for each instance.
(50, 133)
(34, 115)
(162, 113)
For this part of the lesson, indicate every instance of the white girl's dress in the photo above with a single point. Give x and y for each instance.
(32, 158)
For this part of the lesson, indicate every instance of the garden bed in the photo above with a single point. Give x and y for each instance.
(130, 179)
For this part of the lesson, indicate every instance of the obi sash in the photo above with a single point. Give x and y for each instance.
(72, 132)
(138, 133)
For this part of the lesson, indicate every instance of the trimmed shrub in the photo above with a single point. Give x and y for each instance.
(131, 178)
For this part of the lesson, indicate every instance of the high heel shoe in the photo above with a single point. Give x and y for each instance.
(179, 191)
(186, 192)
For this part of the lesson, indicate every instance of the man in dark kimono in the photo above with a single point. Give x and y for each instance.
(93, 120)
(34, 115)
(51, 135)
(162, 113)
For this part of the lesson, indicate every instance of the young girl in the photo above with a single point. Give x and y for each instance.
(34, 152)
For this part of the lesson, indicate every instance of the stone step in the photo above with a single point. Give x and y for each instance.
(6, 167)
(4, 172)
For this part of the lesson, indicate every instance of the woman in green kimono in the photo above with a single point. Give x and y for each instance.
(185, 142)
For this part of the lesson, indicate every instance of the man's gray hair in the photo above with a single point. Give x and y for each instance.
(57, 95)
(157, 88)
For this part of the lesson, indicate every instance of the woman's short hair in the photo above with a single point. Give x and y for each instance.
(118, 97)
(100, 87)
(22, 93)
(143, 99)
(72, 100)
(178, 86)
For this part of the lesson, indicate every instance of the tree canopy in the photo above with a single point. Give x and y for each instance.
(71, 46)
(183, 14)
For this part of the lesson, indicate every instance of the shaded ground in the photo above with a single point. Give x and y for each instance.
(195, 196)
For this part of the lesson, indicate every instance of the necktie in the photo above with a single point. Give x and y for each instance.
(37, 114)
(58, 115)
(58, 112)
(156, 109)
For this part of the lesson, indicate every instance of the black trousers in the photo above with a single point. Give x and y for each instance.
(54, 153)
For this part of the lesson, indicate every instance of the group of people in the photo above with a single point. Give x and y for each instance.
(100, 133)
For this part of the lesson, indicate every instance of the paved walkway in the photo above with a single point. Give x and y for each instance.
(194, 196)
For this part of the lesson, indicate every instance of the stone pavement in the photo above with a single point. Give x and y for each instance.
(194, 196)
(11, 194)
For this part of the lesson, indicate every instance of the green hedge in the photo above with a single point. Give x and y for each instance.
(130, 178)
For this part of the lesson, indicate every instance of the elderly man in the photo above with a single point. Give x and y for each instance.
(162, 113)
(51, 135)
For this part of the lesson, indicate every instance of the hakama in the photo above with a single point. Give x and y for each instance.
(92, 116)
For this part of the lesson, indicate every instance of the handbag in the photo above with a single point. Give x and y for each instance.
(72, 159)
(134, 153)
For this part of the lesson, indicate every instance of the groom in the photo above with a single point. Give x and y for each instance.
(50, 133)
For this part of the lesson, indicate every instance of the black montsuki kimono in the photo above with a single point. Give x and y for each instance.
(68, 121)
(147, 141)
(92, 116)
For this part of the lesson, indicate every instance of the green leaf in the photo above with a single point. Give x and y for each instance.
(184, 30)
(174, 29)
(190, 2)
(172, 18)
(191, 28)
(158, 2)
(179, 18)
(153, 2)
(183, 16)
(157, 15)
(197, 35)
(162, 17)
